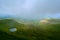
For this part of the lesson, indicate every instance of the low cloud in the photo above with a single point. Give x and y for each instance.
(30, 8)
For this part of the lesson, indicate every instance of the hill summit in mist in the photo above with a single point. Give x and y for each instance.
(51, 21)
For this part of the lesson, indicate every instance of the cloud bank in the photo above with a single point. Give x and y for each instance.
(33, 9)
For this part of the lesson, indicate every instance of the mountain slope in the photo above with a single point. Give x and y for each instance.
(6, 24)
(6, 36)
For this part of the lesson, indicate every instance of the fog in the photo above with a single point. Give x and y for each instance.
(30, 9)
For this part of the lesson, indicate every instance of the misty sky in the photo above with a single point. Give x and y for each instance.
(33, 9)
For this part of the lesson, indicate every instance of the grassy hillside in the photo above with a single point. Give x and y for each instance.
(30, 31)
(6, 36)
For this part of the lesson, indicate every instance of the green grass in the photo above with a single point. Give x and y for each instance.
(29, 32)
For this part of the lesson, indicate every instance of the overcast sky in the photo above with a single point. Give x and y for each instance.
(33, 9)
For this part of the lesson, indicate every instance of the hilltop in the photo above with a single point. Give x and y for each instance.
(50, 21)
